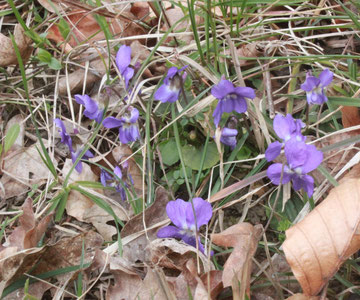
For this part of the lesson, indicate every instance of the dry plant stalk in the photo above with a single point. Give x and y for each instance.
(316, 247)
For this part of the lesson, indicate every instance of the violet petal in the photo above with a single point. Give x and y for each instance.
(273, 151)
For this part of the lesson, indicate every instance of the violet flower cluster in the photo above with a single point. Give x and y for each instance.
(127, 125)
(186, 224)
(301, 158)
(66, 139)
(285, 128)
(315, 87)
(119, 180)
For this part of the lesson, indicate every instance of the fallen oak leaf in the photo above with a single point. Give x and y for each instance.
(243, 237)
(29, 232)
(316, 247)
(7, 51)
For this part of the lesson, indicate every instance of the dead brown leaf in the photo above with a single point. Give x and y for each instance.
(7, 52)
(350, 117)
(302, 297)
(244, 238)
(210, 286)
(120, 154)
(29, 231)
(153, 215)
(172, 254)
(23, 168)
(317, 246)
(84, 209)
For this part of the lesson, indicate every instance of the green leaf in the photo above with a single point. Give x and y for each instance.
(55, 64)
(169, 152)
(11, 137)
(244, 153)
(64, 28)
(192, 156)
(44, 56)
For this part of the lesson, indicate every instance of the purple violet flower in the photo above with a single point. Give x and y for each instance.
(92, 110)
(169, 91)
(65, 137)
(181, 214)
(228, 137)
(128, 129)
(315, 87)
(123, 59)
(75, 155)
(108, 180)
(301, 159)
(231, 98)
(285, 128)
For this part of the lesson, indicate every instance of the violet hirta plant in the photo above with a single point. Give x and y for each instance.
(119, 180)
(123, 60)
(92, 109)
(285, 128)
(169, 91)
(230, 98)
(315, 87)
(187, 225)
(301, 159)
(127, 124)
(66, 139)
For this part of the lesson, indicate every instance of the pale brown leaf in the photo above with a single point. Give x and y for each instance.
(173, 254)
(152, 215)
(22, 169)
(84, 209)
(244, 238)
(7, 51)
(317, 246)
(122, 153)
(302, 297)
(29, 232)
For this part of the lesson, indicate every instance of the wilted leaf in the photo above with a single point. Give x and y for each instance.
(84, 209)
(29, 232)
(7, 51)
(350, 117)
(317, 246)
(302, 297)
(193, 155)
(121, 153)
(22, 169)
(153, 215)
(173, 254)
(212, 283)
(244, 238)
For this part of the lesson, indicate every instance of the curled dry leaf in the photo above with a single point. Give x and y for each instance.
(23, 168)
(120, 154)
(317, 246)
(29, 231)
(210, 282)
(153, 215)
(84, 209)
(7, 52)
(244, 238)
(173, 254)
